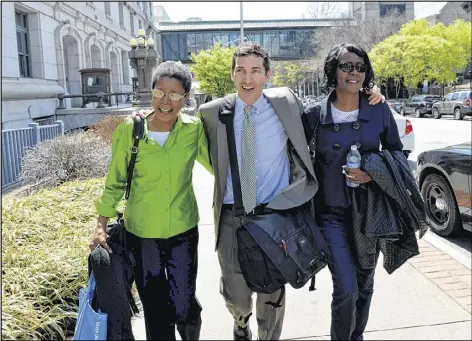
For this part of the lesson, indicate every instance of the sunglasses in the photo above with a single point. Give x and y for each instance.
(173, 96)
(349, 67)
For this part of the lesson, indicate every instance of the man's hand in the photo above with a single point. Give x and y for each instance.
(357, 175)
(375, 96)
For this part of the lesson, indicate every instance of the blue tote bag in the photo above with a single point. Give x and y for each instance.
(91, 325)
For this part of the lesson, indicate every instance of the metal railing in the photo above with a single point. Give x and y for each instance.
(99, 95)
(15, 142)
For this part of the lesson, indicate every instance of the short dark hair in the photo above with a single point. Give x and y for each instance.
(247, 49)
(175, 70)
(332, 61)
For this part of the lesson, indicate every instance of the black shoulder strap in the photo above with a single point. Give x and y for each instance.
(316, 110)
(138, 133)
(226, 116)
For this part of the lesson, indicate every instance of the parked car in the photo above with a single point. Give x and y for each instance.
(405, 130)
(395, 104)
(445, 180)
(419, 105)
(456, 103)
(190, 107)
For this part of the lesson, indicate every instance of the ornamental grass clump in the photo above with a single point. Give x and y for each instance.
(106, 127)
(45, 240)
(74, 156)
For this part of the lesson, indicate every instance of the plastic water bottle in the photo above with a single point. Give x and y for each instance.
(353, 160)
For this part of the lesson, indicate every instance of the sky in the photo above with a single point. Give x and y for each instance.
(180, 11)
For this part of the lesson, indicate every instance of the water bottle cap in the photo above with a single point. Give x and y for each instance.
(353, 147)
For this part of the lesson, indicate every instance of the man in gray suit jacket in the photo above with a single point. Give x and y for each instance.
(283, 172)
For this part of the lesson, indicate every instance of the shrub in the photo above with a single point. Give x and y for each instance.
(105, 128)
(74, 156)
(45, 240)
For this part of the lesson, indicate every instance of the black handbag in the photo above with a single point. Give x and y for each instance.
(116, 230)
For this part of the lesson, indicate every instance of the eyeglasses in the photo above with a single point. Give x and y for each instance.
(349, 67)
(173, 96)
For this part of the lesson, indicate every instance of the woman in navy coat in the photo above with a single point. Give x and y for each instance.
(346, 119)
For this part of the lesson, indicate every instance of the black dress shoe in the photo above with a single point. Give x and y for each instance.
(241, 333)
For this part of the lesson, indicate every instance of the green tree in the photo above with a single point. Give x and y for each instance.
(213, 70)
(422, 51)
(289, 74)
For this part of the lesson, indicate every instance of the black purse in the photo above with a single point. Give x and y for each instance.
(116, 233)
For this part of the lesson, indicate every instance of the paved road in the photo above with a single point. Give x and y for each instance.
(432, 134)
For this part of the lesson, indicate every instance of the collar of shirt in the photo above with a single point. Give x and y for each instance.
(240, 104)
(177, 125)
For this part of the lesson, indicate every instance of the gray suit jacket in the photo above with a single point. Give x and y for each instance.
(303, 184)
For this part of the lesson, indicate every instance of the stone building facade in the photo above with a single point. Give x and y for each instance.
(45, 44)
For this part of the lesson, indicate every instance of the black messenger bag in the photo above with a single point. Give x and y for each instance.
(282, 247)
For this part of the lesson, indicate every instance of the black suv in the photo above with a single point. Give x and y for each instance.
(419, 105)
(457, 103)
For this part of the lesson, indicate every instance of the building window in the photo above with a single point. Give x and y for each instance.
(24, 59)
(131, 22)
(122, 18)
(140, 24)
(392, 9)
(125, 67)
(107, 9)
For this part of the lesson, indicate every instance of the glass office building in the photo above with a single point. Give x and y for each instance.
(283, 39)
(289, 45)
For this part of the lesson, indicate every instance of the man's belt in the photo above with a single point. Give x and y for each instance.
(260, 209)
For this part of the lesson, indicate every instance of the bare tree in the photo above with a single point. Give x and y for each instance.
(366, 33)
(321, 10)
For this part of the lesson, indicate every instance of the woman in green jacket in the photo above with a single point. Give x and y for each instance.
(161, 213)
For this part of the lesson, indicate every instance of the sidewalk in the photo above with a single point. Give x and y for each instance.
(428, 298)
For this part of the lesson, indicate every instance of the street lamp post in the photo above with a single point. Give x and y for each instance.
(143, 58)
(241, 41)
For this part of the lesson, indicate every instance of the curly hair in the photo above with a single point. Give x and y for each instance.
(175, 70)
(247, 49)
(331, 63)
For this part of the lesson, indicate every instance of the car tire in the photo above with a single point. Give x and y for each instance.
(441, 208)
(458, 114)
(402, 111)
(436, 113)
(418, 113)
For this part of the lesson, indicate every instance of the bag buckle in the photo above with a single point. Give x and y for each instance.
(134, 150)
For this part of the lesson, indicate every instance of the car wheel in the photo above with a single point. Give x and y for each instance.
(436, 113)
(418, 113)
(402, 111)
(458, 114)
(441, 208)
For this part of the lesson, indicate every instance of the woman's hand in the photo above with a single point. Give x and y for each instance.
(100, 235)
(357, 175)
(375, 96)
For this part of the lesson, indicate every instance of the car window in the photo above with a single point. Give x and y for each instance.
(448, 97)
(455, 96)
(431, 98)
(463, 95)
(416, 98)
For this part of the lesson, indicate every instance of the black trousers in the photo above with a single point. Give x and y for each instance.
(353, 286)
(166, 274)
